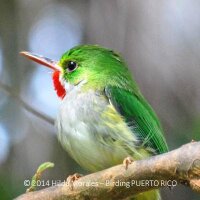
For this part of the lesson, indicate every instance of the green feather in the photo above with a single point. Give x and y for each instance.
(139, 116)
(105, 69)
(105, 72)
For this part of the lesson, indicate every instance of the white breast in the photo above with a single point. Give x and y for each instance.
(84, 135)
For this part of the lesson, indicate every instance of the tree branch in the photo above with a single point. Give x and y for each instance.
(181, 166)
(25, 105)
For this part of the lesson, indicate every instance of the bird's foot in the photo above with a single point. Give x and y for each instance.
(127, 161)
(71, 178)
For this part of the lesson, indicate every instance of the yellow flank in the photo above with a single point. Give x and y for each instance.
(112, 116)
(116, 122)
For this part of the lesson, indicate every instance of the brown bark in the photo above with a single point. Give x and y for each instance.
(181, 166)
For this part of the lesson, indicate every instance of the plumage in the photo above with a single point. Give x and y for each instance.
(140, 117)
(60, 90)
(94, 134)
(103, 116)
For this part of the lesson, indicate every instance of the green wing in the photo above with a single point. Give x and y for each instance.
(139, 116)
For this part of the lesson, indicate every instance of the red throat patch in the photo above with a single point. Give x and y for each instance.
(60, 90)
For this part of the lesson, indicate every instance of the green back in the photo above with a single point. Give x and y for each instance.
(140, 117)
(106, 70)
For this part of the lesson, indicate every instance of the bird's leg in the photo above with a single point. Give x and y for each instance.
(71, 178)
(127, 161)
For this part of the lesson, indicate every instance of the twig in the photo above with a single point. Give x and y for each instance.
(181, 166)
(25, 105)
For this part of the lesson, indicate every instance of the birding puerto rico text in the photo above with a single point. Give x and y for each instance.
(118, 183)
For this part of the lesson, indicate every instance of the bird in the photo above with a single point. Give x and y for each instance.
(103, 117)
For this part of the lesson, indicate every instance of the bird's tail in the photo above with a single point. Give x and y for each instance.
(150, 195)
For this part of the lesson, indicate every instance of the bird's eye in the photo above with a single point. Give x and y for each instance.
(71, 66)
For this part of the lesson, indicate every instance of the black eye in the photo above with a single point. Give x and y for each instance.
(71, 66)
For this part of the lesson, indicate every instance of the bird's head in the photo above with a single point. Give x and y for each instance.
(89, 65)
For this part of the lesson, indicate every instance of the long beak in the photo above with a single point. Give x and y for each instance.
(42, 60)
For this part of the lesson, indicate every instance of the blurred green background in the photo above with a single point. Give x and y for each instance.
(160, 41)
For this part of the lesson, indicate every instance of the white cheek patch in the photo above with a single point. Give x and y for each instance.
(61, 79)
(69, 87)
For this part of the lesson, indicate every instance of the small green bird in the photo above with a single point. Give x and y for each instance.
(103, 117)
